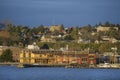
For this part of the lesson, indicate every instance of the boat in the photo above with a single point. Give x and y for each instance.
(105, 65)
(115, 66)
(20, 66)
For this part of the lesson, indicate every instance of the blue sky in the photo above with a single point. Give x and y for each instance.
(68, 12)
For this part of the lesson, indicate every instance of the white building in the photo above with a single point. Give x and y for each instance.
(33, 47)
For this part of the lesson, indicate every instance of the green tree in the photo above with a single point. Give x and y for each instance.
(41, 29)
(107, 24)
(62, 27)
(6, 56)
(106, 47)
(68, 37)
(100, 24)
(74, 33)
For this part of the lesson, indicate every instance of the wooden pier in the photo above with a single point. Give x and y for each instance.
(9, 63)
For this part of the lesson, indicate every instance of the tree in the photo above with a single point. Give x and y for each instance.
(100, 24)
(2, 26)
(41, 29)
(6, 56)
(45, 46)
(106, 47)
(68, 37)
(107, 24)
(74, 33)
(62, 27)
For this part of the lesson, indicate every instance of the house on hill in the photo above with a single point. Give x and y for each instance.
(103, 28)
(56, 28)
(47, 38)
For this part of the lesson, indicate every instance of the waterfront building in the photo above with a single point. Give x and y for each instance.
(56, 57)
(39, 56)
(1, 50)
(92, 58)
(83, 59)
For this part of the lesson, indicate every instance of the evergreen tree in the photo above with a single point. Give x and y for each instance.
(74, 33)
(6, 56)
(68, 37)
(107, 24)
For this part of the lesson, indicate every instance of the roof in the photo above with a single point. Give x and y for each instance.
(41, 51)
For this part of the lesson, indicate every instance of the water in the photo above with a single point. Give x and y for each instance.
(37, 73)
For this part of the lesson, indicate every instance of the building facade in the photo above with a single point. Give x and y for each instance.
(39, 56)
(56, 57)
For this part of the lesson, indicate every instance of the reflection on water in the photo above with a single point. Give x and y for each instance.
(38, 73)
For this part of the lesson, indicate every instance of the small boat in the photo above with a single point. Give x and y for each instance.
(68, 66)
(115, 66)
(35, 64)
(105, 65)
(20, 66)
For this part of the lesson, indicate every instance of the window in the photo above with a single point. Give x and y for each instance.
(84, 59)
(40, 55)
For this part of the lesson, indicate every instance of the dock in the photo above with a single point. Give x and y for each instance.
(41, 65)
(9, 63)
(100, 66)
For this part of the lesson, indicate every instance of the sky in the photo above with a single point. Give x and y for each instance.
(54, 12)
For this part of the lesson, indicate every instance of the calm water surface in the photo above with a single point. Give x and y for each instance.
(37, 73)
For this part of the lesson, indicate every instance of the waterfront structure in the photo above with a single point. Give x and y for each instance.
(92, 58)
(39, 56)
(1, 50)
(51, 57)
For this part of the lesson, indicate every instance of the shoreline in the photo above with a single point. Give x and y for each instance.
(19, 65)
(10, 64)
